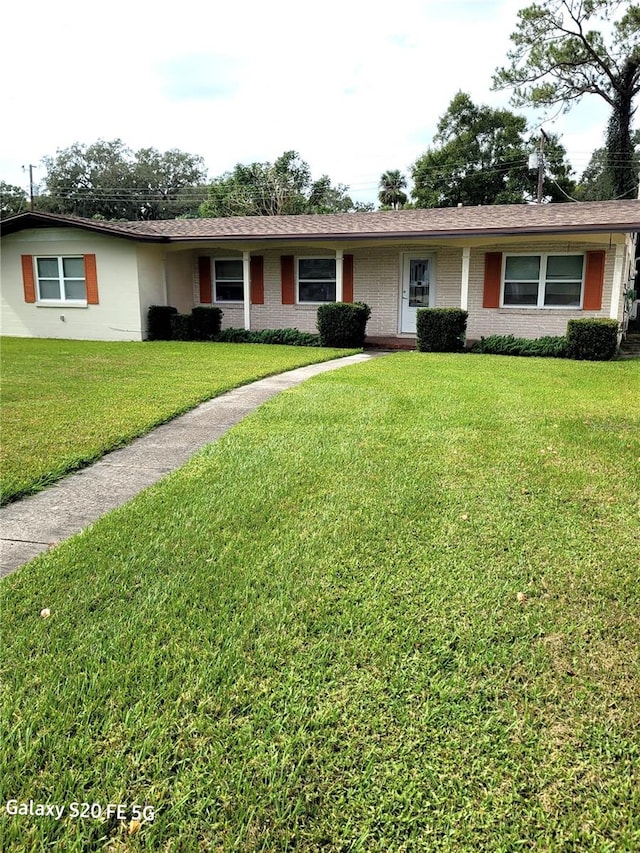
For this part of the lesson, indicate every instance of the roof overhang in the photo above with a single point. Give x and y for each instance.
(406, 235)
(440, 224)
(34, 219)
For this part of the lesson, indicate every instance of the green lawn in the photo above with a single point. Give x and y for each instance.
(66, 403)
(310, 637)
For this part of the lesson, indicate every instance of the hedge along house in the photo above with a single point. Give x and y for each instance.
(517, 269)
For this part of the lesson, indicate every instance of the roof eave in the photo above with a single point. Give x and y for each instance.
(23, 221)
(611, 228)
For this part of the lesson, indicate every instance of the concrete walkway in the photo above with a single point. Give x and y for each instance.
(33, 524)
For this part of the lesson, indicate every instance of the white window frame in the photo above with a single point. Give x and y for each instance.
(323, 280)
(542, 280)
(227, 280)
(62, 299)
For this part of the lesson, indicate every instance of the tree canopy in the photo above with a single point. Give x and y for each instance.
(280, 188)
(108, 180)
(480, 156)
(595, 181)
(565, 49)
(392, 186)
(12, 200)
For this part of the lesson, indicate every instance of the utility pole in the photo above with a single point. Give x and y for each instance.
(543, 137)
(31, 168)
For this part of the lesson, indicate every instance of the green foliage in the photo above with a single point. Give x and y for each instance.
(288, 337)
(108, 180)
(561, 53)
(342, 324)
(159, 322)
(592, 339)
(588, 339)
(392, 189)
(549, 346)
(481, 156)
(441, 329)
(234, 336)
(181, 327)
(13, 200)
(275, 189)
(205, 322)
(597, 181)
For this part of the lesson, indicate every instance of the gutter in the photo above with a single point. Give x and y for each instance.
(409, 235)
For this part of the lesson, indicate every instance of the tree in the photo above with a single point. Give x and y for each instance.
(392, 185)
(12, 200)
(283, 187)
(564, 49)
(595, 182)
(481, 156)
(108, 180)
(169, 184)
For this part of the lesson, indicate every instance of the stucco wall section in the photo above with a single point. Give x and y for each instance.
(151, 280)
(117, 317)
(179, 277)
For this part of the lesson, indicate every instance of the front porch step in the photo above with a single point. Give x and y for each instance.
(390, 343)
(630, 346)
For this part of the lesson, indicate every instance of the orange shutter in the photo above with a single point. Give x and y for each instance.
(256, 277)
(347, 278)
(204, 279)
(492, 279)
(593, 281)
(288, 279)
(28, 279)
(91, 279)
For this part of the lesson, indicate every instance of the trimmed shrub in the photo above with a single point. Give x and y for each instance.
(342, 324)
(205, 322)
(234, 336)
(159, 322)
(181, 327)
(592, 339)
(546, 347)
(441, 329)
(288, 337)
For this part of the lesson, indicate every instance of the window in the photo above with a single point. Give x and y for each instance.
(539, 281)
(316, 279)
(61, 279)
(229, 280)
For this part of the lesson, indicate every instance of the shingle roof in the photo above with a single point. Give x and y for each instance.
(594, 217)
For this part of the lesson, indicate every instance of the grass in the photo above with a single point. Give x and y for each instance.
(309, 638)
(66, 403)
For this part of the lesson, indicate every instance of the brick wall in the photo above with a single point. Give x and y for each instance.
(377, 273)
(527, 322)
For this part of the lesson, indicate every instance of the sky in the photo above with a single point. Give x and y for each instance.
(355, 87)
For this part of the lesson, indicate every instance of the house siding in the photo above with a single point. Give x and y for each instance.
(151, 281)
(132, 276)
(116, 317)
(377, 279)
(179, 278)
(529, 322)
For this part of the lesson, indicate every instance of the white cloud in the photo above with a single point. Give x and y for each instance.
(356, 88)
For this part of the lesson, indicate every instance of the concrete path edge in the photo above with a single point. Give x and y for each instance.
(32, 525)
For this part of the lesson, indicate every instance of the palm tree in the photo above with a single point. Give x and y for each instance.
(391, 192)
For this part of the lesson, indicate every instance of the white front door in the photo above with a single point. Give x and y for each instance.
(417, 290)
